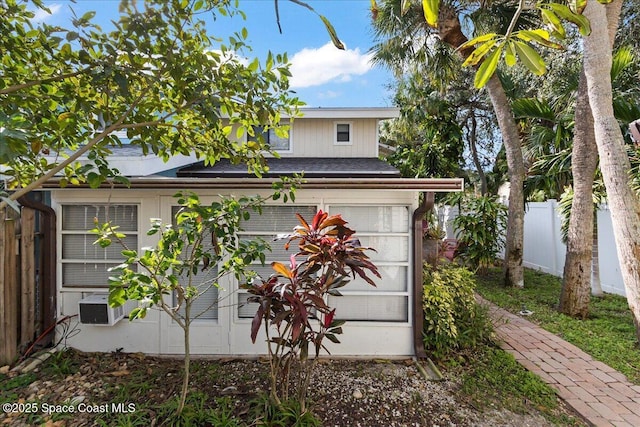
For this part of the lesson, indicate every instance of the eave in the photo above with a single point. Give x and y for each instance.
(399, 184)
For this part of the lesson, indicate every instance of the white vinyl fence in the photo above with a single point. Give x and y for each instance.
(543, 247)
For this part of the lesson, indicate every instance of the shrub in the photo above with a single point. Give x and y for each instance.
(292, 303)
(453, 319)
(479, 229)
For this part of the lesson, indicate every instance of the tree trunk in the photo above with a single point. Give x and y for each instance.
(614, 162)
(473, 147)
(596, 285)
(514, 273)
(451, 33)
(187, 356)
(576, 283)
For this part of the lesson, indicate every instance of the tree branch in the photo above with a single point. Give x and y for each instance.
(50, 174)
(32, 83)
(515, 18)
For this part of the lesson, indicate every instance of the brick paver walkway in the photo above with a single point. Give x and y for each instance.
(599, 393)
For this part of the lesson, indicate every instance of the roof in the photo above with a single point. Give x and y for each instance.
(311, 167)
(350, 113)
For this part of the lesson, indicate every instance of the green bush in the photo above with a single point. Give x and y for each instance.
(453, 319)
(480, 230)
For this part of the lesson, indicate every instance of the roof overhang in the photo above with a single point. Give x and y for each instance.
(380, 113)
(398, 184)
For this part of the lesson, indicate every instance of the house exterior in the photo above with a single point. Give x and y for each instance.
(337, 149)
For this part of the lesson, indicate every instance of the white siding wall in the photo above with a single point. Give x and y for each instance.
(315, 138)
(229, 334)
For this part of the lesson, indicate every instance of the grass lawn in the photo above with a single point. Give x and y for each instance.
(608, 334)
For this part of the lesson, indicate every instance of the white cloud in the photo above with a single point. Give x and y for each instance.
(313, 67)
(41, 15)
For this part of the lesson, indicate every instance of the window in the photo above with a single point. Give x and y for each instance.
(274, 220)
(385, 229)
(205, 306)
(85, 264)
(342, 132)
(272, 139)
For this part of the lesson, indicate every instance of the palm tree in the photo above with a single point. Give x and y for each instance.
(404, 38)
(559, 146)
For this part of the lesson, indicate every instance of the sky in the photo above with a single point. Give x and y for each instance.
(323, 76)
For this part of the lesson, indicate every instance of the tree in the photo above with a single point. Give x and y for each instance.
(614, 161)
(562, 147)
(410, 37)
(158, 76)
(426, 139)
(193, 253)
(162, 80)
(597, 24)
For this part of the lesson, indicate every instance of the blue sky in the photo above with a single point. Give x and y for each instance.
(323, 76)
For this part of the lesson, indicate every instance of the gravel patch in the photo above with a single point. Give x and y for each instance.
(343, 393)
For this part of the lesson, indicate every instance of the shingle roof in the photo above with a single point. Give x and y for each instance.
(312, 167)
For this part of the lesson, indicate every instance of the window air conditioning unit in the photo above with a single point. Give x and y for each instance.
(95, 310)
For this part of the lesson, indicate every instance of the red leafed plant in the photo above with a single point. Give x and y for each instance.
(292, 303)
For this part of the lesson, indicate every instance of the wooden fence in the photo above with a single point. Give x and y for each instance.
(18, 279)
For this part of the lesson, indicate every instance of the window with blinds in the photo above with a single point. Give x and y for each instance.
(205, 306)
(85, 264)
(343, 133)
(385, 229)
(274, 221)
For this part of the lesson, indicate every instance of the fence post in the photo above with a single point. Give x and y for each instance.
(27, 276)
(10, 292)
(3, 327)
(554, 236)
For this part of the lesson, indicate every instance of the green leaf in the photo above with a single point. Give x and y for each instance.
(510, 55)
(94, 180)
(530, 58)
(430, 9)
(477, 40)
(117, 296)
(565, 13)
(488, 67)
(539, 36)
(577, 6)
(554, 22)
(332, 33)
(129, 253)
(479, 53)
(333, 338)
(72, 35)
(88, 16)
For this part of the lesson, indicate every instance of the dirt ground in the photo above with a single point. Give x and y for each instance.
(111, 389)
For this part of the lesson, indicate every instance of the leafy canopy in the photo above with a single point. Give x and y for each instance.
(514, 45)
(157, 77)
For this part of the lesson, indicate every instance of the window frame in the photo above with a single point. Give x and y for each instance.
(336, 140)
(335, 208)
(271, 131)
(90, 238)
(266, 235)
